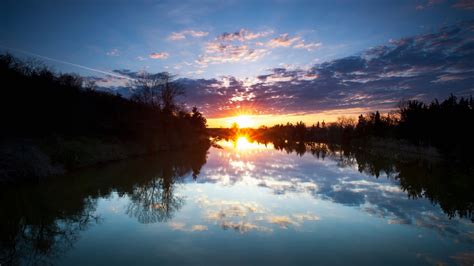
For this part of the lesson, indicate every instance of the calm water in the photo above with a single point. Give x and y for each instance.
(243, 203)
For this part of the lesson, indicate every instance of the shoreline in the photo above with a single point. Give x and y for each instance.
(23, 160)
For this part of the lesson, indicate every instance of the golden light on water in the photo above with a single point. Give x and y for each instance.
(242, 143)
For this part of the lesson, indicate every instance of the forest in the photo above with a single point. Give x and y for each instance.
(53, 122)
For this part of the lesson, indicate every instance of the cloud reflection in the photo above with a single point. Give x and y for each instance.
(332, 179)
(244, 217)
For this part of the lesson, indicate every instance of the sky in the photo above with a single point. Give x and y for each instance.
(274, 61)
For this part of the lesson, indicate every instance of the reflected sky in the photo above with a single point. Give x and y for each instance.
(254, 204)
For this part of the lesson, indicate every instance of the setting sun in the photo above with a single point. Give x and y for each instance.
(243, 121)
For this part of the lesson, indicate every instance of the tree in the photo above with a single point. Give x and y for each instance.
(157, 90)
(169, 93)
(147, 89)
(198, 120)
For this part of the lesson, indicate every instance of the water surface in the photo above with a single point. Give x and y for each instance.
(244, 203)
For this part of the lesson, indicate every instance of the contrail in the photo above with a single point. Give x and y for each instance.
(69, 63)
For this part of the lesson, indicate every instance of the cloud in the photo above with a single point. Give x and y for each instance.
(282, 221)
(242, 35)
(244, 217)
(465, 4)
(113, 52)
(423, 67)
(243, 227)
(219, 53)
(175, 36)
(127, 73)
(348, 182)
(179, 226)
(238, 216)
(198, 228)
(296, 219)
(282, 41)
(235, 47)
(162, 55)
(306, 217)
(308, 46)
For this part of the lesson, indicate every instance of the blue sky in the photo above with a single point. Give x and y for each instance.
(214, 39)
(123, 34)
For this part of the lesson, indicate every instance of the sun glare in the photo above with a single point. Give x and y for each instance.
(242, 143)
(243, 121)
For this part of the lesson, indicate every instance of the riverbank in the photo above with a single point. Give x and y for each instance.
(396, 149)
(37, 159)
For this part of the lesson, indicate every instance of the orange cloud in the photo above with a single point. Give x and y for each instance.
(282, 41)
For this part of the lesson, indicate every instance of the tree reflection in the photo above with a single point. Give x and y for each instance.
(40, 222)
(154, 202)
(441, 181)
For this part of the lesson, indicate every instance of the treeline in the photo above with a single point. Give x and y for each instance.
(37, 102)
(67, 118)
(445, 125)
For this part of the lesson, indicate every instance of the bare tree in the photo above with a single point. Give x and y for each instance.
(147, 89)
(157, 90)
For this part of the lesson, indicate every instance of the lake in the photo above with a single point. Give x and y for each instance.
(244, 203)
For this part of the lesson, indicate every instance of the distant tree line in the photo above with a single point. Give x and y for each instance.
(36, 102)
(446, 125)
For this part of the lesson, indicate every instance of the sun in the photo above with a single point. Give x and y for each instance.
(243, 121)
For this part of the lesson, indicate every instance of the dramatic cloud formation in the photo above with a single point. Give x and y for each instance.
(162, 55)
(422, 67)
(175, 36)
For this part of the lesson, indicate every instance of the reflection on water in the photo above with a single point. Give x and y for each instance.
(306, 203)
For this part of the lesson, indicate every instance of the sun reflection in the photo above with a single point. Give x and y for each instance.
(242, 143)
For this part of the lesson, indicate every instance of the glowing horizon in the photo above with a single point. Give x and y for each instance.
(255, 120)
